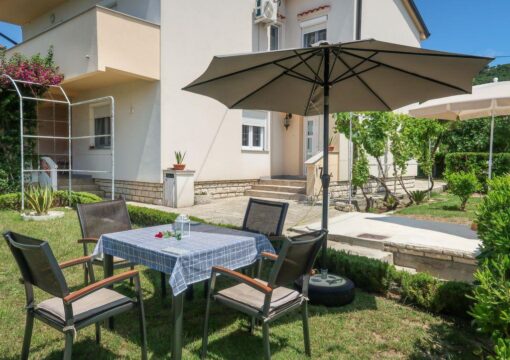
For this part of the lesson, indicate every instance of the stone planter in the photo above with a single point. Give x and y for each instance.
(50, 216)
(202, 199)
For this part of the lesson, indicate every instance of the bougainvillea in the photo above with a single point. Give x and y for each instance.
(38, 69)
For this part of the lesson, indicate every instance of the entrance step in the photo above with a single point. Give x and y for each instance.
(283, 182)
(275, 195)
(80, 184)
(380, 255)
(280, 188)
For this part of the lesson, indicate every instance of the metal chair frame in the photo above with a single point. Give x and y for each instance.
(265, 316)
(58, 287)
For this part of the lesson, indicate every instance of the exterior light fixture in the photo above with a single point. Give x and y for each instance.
(286, 121)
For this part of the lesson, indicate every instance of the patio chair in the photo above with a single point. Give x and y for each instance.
(101, 218)
(266, 217)
(68, 311)
(268, 301)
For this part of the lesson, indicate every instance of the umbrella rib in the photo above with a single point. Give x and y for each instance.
(337, 54)
(339, 78)
(244, 70)
(420, 54)
(367, 86)
(355, 74)
(295, 74)
(411, 73)
(317, 76)
(266, 84)
(314, 87)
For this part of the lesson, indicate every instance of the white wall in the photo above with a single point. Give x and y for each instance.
(192, 32)
(146, 9)
(137, 133)
(388, 20)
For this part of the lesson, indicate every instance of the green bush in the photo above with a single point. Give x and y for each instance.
(4, 182)
(39, 199)
(478, 163)
(493, 218)
(462, 185)
(421, 290)
(12, 201)
(142, 216)
(418, 196)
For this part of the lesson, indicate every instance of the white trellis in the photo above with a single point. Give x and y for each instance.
(17, 84)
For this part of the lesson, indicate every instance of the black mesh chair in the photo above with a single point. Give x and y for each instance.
(101, 218)
(68, 311)
(265, 217)
(268, 301)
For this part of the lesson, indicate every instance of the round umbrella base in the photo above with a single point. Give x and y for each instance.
(334, 290)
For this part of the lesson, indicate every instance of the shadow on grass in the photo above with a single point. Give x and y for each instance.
(448, 341)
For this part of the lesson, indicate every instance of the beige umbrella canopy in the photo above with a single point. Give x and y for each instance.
(365, 75)
(487, 100)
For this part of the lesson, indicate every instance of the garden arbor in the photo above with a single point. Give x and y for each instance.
(55, 130)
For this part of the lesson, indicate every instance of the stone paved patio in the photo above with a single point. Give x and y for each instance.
(231, 211)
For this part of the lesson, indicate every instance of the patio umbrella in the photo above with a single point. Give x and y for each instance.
(353, 76)
(487, 100)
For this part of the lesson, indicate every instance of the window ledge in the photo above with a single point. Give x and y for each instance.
(254, 151)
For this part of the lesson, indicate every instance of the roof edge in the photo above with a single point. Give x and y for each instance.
(417, 18)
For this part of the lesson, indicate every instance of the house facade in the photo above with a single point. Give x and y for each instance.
(143, 52)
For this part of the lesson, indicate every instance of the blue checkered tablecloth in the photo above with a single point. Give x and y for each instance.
(206, 247)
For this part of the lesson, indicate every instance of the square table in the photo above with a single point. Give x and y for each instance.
(187, 261)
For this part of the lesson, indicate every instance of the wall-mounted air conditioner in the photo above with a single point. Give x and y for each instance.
(266, 11)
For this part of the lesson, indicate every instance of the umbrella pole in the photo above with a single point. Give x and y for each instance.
(325, 161)
(491, 145)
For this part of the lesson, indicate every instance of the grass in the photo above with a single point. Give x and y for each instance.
(443, 207)
(370, 328)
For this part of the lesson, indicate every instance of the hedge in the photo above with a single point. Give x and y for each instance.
(478, 163)
(12, 201)
(421, 289)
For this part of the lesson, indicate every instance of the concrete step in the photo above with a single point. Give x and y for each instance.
(283, 182)
(80, 187)
(275, 195)
(380, 255)
(63, 180)
(406, 269)
(280, 188)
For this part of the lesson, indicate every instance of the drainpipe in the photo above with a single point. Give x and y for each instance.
(359, 13)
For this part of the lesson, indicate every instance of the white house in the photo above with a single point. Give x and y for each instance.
(142, 52)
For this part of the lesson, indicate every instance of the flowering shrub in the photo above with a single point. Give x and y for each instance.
(38, 69)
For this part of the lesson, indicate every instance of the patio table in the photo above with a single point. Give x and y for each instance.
(187, 261)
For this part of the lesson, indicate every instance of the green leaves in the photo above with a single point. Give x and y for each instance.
(179, 157)
(462, 184)
(39, 199)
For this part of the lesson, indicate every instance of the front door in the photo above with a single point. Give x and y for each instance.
(312, 137)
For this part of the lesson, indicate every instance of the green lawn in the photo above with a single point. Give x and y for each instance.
(443, 207)
(371, 328)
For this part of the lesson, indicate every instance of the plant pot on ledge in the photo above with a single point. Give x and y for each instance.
(179, 166)
(331, 148)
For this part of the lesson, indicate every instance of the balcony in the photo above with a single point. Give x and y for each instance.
(21, 12)
(100, 47)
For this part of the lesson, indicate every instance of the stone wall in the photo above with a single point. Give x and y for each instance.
(339, 189)
(224, 188)
(145, 192)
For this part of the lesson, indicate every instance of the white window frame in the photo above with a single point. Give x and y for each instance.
(279, 37)
(255, 118)
(92, 126)
(313, 25)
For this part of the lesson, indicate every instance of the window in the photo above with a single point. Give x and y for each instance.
(274, 37)
(313, 37)
(254, 130)
(102, 126)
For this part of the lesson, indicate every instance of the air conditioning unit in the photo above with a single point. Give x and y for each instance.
(266, 11)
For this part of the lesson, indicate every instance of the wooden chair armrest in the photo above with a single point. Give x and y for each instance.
(88, 241)
(87, 290)
(74, 262)
(242, 278)
(269, 256)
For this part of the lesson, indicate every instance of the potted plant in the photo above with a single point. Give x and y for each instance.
(331, 147)
(40, 199)
(179, 160)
